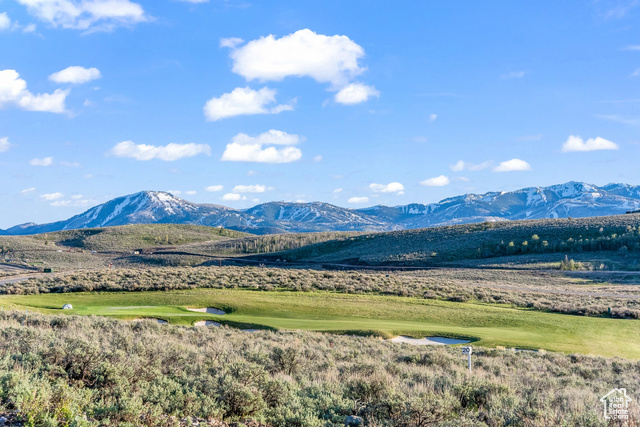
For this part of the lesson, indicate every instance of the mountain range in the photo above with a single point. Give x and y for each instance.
(572, 199)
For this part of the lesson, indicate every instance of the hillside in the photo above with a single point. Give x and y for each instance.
(128, 237)
(433, 246)
(572, 199)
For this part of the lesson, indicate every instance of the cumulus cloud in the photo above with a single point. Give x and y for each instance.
(512, 165)
(272, 136)
(326, 59)
(249, 189)
(392, 187)
(87, 15)
(169, 152)
(438, 181)
(13, 91)
(75, 75)
(355, 93)
(243, 101)
(230, 42)
(46, 161)
(52, 196)
(461, 165)
(5, 21)
(357, 200)
(4, 144)
(76, 200)
(214, 188)
(261, 148)
(233, 197)
(575, 143)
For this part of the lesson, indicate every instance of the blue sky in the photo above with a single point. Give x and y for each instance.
(354, 103)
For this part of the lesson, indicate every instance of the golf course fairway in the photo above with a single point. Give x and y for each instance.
(387, 316)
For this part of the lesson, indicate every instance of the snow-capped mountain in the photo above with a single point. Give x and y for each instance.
(572, 199)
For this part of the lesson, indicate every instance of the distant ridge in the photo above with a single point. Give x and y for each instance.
(571, 199)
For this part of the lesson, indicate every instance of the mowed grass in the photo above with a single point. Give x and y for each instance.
(362, 314)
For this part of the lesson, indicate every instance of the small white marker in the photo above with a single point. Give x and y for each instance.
(468, 351)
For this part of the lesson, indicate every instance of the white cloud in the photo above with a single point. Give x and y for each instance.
(355, 93)
(230, 42)
(575, 143)
(392, 187)
(13, 91)
(243, 101)
(433, 117)
(249, 189)
(245, 148)
(28, 190)
(88, 15)
(75, 202)
(5, 21)
(47, 161)
(4, 144)
(512, 165)
(461, 165)
(631, 47)
(77, 196)
(275, 137)
(318, 158)
(356, 200)
(214, 188)
(29, 28)
(191, 192)
(75, 75)
(169, 152)
(52, 196)
(337, 190)
(255, 153)
(233, 196)
(513, 75)
(438, 181)
(326, 59)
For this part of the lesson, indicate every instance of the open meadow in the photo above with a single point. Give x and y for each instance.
(304, 342)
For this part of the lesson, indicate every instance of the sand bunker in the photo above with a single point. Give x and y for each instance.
(207, 323)
(428, 340)
(153, 319)
(209, 310)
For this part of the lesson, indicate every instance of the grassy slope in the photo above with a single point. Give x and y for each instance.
(387, 316)
(441, 244)
(138, 236)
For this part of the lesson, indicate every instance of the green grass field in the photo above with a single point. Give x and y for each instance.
(381, 315)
